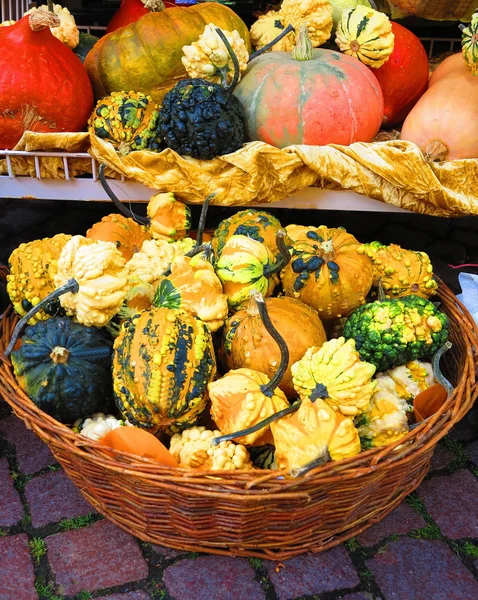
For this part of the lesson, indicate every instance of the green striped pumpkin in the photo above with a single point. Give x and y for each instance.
(366, 34)
(469, 44)
(163, 360)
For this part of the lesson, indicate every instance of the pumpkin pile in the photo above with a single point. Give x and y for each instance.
(266, 347)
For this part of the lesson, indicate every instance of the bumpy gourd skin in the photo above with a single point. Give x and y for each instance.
(393, 332)
(65, 368)
(162, 363)
(201, 119)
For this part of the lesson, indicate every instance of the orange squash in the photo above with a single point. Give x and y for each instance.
(444, 122)
(127, 235)
(140, 442)
(246, 342)
(453, 65)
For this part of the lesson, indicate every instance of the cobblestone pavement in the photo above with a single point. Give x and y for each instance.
(53, 545)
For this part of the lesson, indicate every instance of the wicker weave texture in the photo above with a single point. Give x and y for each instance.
(258, 513)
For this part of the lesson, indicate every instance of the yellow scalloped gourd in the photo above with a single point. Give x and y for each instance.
(99, 269)
(67, 31)
(208, 57)
(335, 373)
(7, 23)
(313, 429)
(366, 34)
(193, 449)
(315, 14)
(32, 267)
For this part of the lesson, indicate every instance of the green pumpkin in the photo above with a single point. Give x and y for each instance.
(129, 121)
(65, 368)
(85, 44)
(256, 224)
(469, 44)
(163, 360)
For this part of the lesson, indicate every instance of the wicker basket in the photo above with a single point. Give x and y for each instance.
(256, 513)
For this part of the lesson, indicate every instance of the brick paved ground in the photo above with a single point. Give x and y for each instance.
(53, 545)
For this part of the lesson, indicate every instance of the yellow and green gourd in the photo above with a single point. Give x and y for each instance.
(469, 44)
(128, 120)
(163, 360)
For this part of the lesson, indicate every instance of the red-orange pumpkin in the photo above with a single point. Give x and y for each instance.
(404, 77)
(311, 96)
(132, 10)
(43, 84)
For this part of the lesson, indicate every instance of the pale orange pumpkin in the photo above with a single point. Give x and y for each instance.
(444, 122)
(140, 442)
(247, 343)
(453, 65)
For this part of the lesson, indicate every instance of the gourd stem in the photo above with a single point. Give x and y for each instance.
(316, 462)
(373, 4)
(202, 220)
(235, 61)
(50, 6)
(118, 204)
(380, 292)
(258, 426)
(70, 286)
(436, 368)
(268, 388)
(284, 257)
(303, 46)
(268, 46)
(461, 27)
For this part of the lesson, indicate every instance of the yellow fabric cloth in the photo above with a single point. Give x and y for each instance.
(394, 172)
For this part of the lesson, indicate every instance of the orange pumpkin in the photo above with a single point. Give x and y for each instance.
(246, 342)
(326, 271)
(444, 122)
(140, 442)
(453, 65)
(127, 235)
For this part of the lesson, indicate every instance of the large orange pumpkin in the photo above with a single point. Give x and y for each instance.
(145, 56)
(246, 342)
(326, 271)
(127, 235)
(311, 96)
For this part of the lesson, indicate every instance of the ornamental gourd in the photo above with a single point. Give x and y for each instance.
(404, 77)
(157, 38)
(259, 225)
(85, 44)
(194, 286)
(128, 120)
(315, 15)
(401, 272)
(32, 267)
(163, 360)
(245, 265)
(209, 58)
(469, 44)
(324, 97)
(67, 31)
(245, 397)
(127, 235)
(169, 219)
(326, 271)
(336, 374)
(247, 344)
(33, 58)
(65, 368)
(367, 35)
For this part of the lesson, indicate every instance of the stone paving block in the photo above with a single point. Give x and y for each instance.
(402, 520)
(32, 454)
(451, 501)
(441, 458)
(422, 570)
(472, 452)
(167, 552)
(53, 497)
(95, 557)
(11, 507)
(140, 595)
(212, 578)
(311, 574)
(17, 581)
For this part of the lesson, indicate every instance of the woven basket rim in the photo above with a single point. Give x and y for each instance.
(258, 481)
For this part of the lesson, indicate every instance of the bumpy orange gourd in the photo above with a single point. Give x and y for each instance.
(170, 219)
(246, 342)
(326, 271)
(127, 235)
